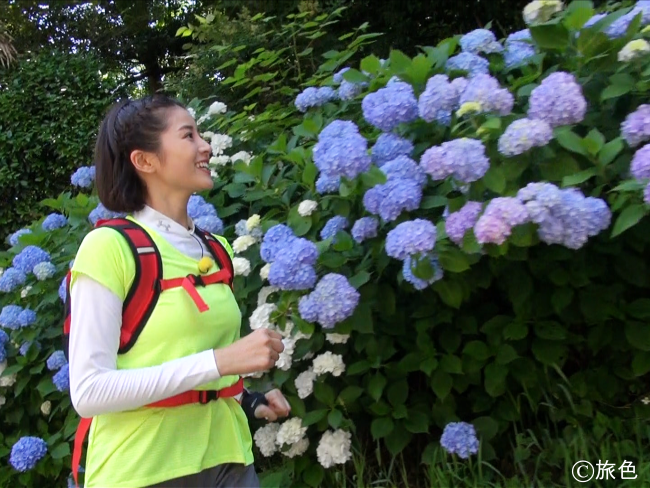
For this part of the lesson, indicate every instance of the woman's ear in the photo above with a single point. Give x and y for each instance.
(143, 161)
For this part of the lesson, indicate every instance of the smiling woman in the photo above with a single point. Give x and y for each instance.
(155, 355)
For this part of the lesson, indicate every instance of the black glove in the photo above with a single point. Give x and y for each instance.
(250, 401)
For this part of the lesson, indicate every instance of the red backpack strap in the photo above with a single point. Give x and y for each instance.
(218, 251)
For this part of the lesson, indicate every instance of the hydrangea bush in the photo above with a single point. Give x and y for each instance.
(451, 245)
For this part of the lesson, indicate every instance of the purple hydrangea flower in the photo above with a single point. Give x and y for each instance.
(635, 129)
(102, 213)
(508, 209)
(62, 378)
(519, 48)
(410, 238)
(11, 279)
(333, 226)
(83, 177)
(404, 168)
(15, 237)
(459, 438)
(388, 147)
(9, 316)
(26, 318)
(56, 361)
(27, 452)
(486, 91)
(392, 198)
(44, 270)
(29, 257)
(491, 229)
(464, 159)
(640, 167)
(438, 98)
(54, 221)
(332, 301)
(276, 238)
(458, 223)
(390, 106)
(469, 62)
(326, 184)
(558, 100)
(210, 223)
(524, 134)
(480, 41)
(364, 228)
(63, 289)
(341, 151)
(417, 282)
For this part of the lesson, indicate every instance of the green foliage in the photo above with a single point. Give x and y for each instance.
(51, 105)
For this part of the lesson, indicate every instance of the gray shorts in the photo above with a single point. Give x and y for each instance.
(228, 475)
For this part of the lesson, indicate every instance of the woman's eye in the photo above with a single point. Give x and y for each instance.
(189, 134)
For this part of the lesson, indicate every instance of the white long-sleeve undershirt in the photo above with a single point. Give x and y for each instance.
(96, 385)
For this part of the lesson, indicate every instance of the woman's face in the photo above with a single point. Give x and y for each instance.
(184, 155)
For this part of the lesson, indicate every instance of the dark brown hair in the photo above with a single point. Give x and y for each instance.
(129, 125)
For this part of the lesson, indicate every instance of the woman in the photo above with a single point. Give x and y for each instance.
(149, 160)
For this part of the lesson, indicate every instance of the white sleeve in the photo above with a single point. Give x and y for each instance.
(96, 385)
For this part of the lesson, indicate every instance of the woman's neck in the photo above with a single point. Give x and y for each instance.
(173, 207)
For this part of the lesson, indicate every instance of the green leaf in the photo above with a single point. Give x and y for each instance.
(570, 140)
(550, 36)
(324, 393)
(451, 364)
(614, 91)
(577, 14)
(314, 475)
(397, 440)
(314, 417)
(495, 179)
(610, 150)
(309, 174)
(553, 331)
(495, 379)
(561, 298)
(450, 292)
(355, 76)
(629, 218)
(506, 354)
(637, 335)
(433, 201)
(428, 365)
(560, 166)
(398, 392)
(594, 141)
(419, 69)
(417, 422)
(441, 384)
(515, 331)
(359, 279)
(370, 64)
(641, 363)
(477, 350)
(376, 386)
(60, 451)
(548, 352)
(359, 367)
(639, 309)
(454, 260)
(335, 418)
(486, 427)
(579, 177)
(374, 176)
(399, 62)
(350, 394)
(381, 427)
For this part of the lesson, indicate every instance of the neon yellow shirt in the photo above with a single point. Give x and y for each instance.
(150, 445)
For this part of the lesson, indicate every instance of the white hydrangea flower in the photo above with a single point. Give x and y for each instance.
(290, 432)
(265, 439)
(304, 383)
(3, 400)
(219, 143)
(541, 10)
(302, 335)
(298, 449)
(217, 108)
(306, 207)
(202, 119)
(307, 356)
(242, 266)
(25, 291)
(242, 243)
(214, 174)
(46, 407)
(8, 380)
(288, 327)
(216, 161)
(207, 134)
(334, 448)
(192, 112)
(337, 338)
(1, 271)
(264, 293)
(633, 49)
(256, 374)
(264, 272)
(253, 221)
(284, 361)
(261, 316)
(329, 363)
(241, 156)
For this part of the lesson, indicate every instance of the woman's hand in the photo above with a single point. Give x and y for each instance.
(258, 351)
(278, 406)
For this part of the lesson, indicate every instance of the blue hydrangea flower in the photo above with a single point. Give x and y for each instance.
(439, 98)
(15, 237)
(314, 97)
(83, 177)
(410, 238)
(241, 228)
(210, 223)
(640, 167)
(464, 159)
(9, 316)
(56, 360)
(326, 184)
(558, 100)
(338, 76)
(365, 228)
(593, 20)
(341, 151)
(333, 226)
(3, 350)
(349, 90)
(44, 270)
(392, 198)
(62, 378)
(332, 301)
(390, 106)
(299, 250)
(102, 213)
(29, 257)
(27, 452)
(519, 49)
(288, 275)
(26, 318)
(635, 129)
(275, 240)
(24, 348)
(471, 63)
(417, 282)
(63, 289)
(197, 207)
(619, 27)
(480, 41)
(458, 223)
(486, 91)
(4, 338)
(388, 147)
(459, 438)
(54, 221)
(511, 210)
(12, 279)
(404, 168)
(524, 134)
